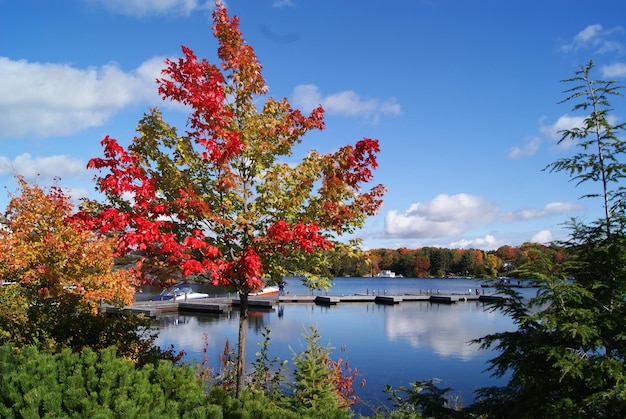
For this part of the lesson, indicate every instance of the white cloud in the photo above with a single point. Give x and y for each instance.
(488, 242)
(596, 38)
(454, 215)
(45, 167)
(307, 97)
(614, 70)
(529, 149)
(282, 3)
(153, 7)
(587, 36)
(444, 216)
(543, 237)
(550, 209)
(46, 99)
(550, 133)
(564, 123)
(76, 194)
(347, 103)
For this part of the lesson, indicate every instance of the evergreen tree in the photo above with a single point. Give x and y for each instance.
(312, 386)
(566, 358)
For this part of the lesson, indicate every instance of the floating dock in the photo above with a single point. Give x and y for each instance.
(220, 305)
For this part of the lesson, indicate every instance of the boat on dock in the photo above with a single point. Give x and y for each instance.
(178, 293)
(272, 290)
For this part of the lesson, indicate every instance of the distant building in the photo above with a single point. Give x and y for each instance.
(385, 273)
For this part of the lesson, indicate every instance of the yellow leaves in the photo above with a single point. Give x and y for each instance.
(43, 250)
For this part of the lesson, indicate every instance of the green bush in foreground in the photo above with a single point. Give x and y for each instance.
(87, 384)
(35, 384)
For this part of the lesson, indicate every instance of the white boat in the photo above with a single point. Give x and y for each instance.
(273, 290)
(385, 273)
(179, 293)
(6, 282)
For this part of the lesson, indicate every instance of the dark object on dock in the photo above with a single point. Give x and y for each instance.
(326, 300)
(487, 298)
(196, 307)
(388, 299)
(256, 303)
(443, 299)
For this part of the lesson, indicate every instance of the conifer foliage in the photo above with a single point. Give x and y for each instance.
(566, 358)
(35, 384)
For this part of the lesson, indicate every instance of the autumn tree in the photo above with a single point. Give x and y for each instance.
(61, 273)
(506, 253)
(493, 264)
(421, 265)
(223, 200)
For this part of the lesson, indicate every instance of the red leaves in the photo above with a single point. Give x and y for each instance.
(204, 202)
(250, 268)
(145, 221)
(355, 164)
(343, 381)
(201, 86)
(284, 238)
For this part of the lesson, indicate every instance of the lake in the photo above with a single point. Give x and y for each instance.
(388, 344)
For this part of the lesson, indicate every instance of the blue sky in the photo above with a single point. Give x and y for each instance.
(462, 95)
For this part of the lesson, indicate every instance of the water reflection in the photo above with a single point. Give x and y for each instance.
(445, 329)
(389, 344)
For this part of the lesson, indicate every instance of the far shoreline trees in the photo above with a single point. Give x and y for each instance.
(436, 262)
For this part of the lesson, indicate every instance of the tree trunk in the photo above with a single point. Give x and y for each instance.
(241, 346)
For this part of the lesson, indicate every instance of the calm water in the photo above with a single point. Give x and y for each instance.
(393, 345)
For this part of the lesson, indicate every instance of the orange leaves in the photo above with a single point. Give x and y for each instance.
(238, 57)
(53, 258)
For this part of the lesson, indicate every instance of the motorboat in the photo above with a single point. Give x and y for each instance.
(179, 293)
(271, 290)
(385, 273)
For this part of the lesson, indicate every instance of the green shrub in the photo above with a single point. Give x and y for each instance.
(88, 384)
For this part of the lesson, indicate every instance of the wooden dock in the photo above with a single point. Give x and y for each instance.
(220, 305)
